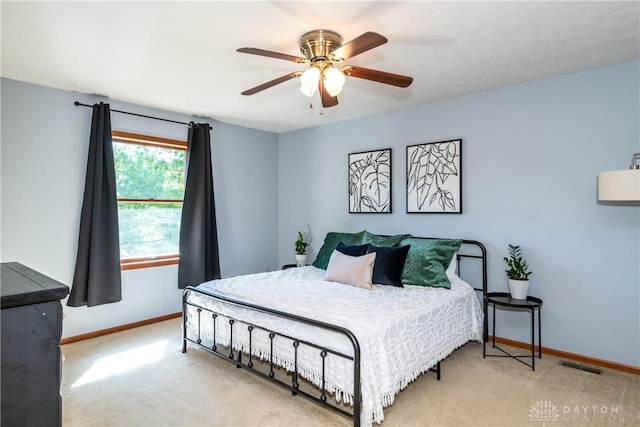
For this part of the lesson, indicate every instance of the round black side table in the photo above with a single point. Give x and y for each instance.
(503, 299)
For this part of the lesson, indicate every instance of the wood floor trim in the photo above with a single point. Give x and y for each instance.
(120, 328)
(545, 350)
(572, 356)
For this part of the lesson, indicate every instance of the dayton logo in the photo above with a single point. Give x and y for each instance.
(543, 411)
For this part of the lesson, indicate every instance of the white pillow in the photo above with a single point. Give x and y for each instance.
(351, 270)
(452, 270)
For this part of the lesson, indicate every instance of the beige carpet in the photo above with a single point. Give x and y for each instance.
(140, 378)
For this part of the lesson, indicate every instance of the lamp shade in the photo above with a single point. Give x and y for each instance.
(333, 80)
(619, 186)
(309, 81)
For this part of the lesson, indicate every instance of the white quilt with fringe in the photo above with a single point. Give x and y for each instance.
(402, 332)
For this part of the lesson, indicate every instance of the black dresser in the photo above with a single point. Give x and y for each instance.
(31, 362)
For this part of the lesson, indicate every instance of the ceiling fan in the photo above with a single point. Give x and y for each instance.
(323, 50)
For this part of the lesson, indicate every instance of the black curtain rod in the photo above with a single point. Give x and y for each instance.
(77, 104)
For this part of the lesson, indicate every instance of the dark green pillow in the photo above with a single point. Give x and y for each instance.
(383, 241)
(428, 260)
(331, 242)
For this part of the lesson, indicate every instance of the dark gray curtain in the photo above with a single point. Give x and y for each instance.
(199, 260)
(97, 277)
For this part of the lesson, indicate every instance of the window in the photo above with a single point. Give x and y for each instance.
(150, 189)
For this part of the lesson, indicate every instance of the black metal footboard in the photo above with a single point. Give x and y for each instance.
(230, 354)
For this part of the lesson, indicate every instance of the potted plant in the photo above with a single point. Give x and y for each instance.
(518, 273)
(301, 250)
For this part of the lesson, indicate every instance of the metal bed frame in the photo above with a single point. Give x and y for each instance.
(236, 356)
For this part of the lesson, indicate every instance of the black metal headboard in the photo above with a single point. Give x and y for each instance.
(475, 250)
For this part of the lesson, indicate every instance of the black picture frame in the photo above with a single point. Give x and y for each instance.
(434, 177)
(370, 181)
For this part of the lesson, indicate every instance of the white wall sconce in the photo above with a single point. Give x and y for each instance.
(621, 185)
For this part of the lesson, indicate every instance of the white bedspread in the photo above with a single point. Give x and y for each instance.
(402, 332)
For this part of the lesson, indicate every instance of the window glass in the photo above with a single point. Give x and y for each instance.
(148, 229)
(150, 189)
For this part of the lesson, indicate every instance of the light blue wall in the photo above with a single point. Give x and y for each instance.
(44, 154)
(531, 155)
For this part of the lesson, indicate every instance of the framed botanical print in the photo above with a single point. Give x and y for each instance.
(370, 182)
(434, 177)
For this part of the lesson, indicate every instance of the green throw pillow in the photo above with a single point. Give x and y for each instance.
(330, 242)
(428, 260)
(383, 241)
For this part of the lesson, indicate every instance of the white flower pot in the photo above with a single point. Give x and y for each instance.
(301, 260)
(519, 288)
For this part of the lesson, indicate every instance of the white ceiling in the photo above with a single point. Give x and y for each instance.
(181, 56)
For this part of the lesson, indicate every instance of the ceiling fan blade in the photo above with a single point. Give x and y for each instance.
(271, 83)
(327, 100)
(377, 76)
(271, 54)
(360, 44)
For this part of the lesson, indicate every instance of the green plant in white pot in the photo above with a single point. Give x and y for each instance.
(301, 250)
(518, 273)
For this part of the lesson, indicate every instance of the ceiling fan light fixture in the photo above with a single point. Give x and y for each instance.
(322, 49)
(309, 81)
(333, 80)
